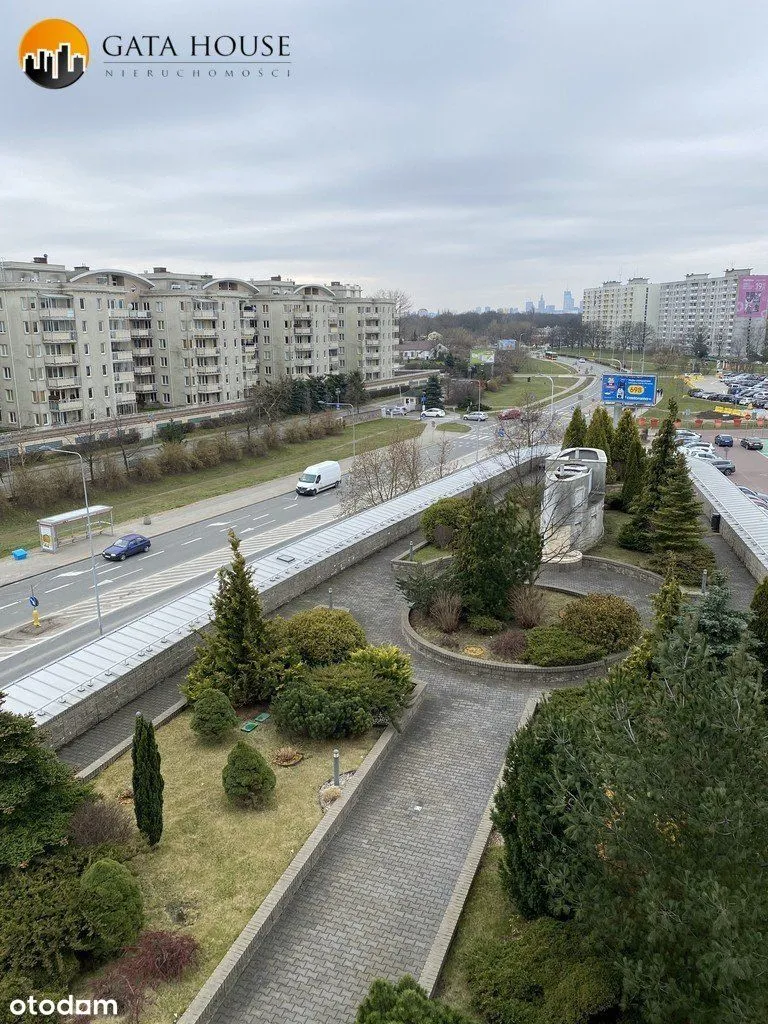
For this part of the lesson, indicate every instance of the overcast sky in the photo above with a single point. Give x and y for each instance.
(471, 154)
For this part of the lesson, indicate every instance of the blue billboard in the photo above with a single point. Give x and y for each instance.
(629, 389)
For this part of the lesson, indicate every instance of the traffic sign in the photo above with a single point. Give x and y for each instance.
(34, 601)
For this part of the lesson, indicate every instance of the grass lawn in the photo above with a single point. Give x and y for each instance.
(454, 428)
(18, 528)
(608, 546)
(488, 915)
(216, 862)
(428, 553)
(516, 393)
(545, 366)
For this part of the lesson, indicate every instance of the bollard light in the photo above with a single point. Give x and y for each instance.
(704, 581)
(336, 768)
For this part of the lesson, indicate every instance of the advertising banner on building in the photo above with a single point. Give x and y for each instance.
(506, 343)
(481, 357)
(628, 389)
(752, 299)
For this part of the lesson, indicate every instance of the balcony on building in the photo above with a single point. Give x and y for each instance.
(140, 314)
(68, 357)
(205, 311)
(207, 350)
(302, 329)
(65, 404)
(58, 383)
(55, 330)
(127, 408)
(204, 332)
(144, 386)
(141, 332)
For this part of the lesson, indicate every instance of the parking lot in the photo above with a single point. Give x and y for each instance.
(751, 466)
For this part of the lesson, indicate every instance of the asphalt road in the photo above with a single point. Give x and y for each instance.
(156, 572)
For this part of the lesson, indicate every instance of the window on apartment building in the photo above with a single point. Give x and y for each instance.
(265, 324)
(163, 360)
(26, 326)
(35, 327)
(3, 350)
(29, 351)
(8, 395)
(90, 392)
(12, 417)
(23, 301)
(87, 371)
(165, 380)
(161, 325)
(106, 392)
(159, 307)
(103, 348)
(167, 397)
(2, 326)
(268, 370)
(103, 370)
(85, 326)
(31, 373)
(82, 303)
(162, 343)
(98, 303)
(101, 326)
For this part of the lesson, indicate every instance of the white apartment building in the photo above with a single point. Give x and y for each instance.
(86, 344)
(676, 310)
(614, 303)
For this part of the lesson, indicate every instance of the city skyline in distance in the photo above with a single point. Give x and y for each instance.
(57, 68)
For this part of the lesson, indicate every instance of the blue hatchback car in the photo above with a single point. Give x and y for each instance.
(724, 440)
(131, 544)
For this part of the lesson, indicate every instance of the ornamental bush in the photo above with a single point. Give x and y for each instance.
(421, 586)
(404, 1003)
(212, 715)
(247, 778)
(603, 620)
(546, 975)
(689, 568)
(549, 646)
(484, 624)
(101, 823)
(334, 702)
(112, 905)
(324, 636)
(392, 684)
(42, 924)
(510, 644)
(448, 513)
(445, 611)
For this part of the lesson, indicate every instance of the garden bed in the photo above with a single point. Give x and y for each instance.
(216, 862)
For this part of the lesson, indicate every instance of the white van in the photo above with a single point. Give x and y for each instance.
(319, 478)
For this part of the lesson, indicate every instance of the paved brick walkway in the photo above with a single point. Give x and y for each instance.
(741, 581)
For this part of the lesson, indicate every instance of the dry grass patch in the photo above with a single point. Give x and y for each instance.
(216, 862)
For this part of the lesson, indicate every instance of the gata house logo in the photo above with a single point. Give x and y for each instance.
(54, 53)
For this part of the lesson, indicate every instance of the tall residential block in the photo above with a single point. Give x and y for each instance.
(678, 310)
(86, 344)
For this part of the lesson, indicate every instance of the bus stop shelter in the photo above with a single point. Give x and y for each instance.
(73, 525)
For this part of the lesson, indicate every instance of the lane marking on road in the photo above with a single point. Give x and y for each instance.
(62, 587)
(153, 555)
(265, 516)
(248, 529)
(64, 575)
(11, 605)
(193, 541)
(223, 522)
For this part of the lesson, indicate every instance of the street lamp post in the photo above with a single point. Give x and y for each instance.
(69, 451)
(477, 428)
(346, 405)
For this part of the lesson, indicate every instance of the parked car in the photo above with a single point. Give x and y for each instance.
(433, 414)
(696, 447)
(724, 440)
(726, 467)
(131, 544)
(752, 494)
(397, 410)
(682, 433)
(754, 444)
(479, 416)
(511, 414)
(701, 453)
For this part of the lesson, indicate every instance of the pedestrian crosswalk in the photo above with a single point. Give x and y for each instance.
(112, 599)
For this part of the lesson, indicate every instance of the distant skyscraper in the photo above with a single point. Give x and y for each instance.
(549, 309)
(568, 304)
(541, 307)
(529, 306)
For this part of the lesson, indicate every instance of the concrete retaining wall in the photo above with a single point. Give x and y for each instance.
(205, 1004)
(497, 671)
(74, 721)
(740, 547)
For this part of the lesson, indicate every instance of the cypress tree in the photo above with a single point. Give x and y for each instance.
(634, 474)
(576, 432)
(624, 436)
(596, 436)
(661, 463)
(759, 621)
(354, 391)
(147, 781)
(676, 525)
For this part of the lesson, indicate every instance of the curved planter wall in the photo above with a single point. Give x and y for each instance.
(497, 671)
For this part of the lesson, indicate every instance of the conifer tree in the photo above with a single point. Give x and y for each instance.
(637, 533)
(38, 792)
(625, 435)
(597, 436)
(759, 621)
(147, 781)
(354, 390)
(724, 628)
(635, 469)
(676, 525)
(576, 432)
(238, 654)
(434, 392)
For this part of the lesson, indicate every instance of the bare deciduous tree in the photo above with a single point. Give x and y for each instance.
(384, 473)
